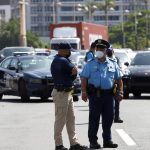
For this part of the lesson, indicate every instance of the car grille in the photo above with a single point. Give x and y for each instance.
(48, 81)
(141, 79)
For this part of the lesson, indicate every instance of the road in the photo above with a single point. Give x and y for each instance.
(29, 126)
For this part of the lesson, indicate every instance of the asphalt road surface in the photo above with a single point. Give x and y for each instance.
(29, 126)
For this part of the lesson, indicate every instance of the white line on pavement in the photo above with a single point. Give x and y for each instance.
(126, 138)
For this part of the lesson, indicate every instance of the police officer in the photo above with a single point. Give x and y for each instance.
(64, 73)
(117, 119)
(90, 55)
(99, 75)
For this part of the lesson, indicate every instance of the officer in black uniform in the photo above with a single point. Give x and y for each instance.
(64, 73)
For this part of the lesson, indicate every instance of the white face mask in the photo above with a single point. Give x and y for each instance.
(99, 54)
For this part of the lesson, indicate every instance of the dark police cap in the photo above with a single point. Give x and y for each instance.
(65, 46)
(100, 43)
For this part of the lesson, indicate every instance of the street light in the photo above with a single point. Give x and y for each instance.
(147, 24)
(122, 25)
(23, 40)
(56, 3)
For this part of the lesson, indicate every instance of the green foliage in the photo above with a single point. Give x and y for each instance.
(9, 35)
(139, 41)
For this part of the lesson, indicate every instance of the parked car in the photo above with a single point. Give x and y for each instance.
(124, 60)
(27, 76)
(137, 77)
(8, 51)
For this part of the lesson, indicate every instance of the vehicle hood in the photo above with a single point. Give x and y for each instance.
(38, 73)
(139, 70)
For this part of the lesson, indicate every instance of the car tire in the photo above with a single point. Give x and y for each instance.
(75, 98)
(126, 95)
(23, 91)
(44, 98)
(137, 94)
(1, 96)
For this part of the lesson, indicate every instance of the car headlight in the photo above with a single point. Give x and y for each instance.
(126, 72)
(37, 81)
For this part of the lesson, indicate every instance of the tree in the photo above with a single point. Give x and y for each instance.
(9, 35)
(137, 41)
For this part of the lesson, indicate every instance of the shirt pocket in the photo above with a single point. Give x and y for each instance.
(111, 73)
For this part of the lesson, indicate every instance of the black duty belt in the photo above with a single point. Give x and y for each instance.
(65, 89)
(98, 91)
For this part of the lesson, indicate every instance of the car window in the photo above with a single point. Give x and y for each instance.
(5, 63)
(8, 52)
(34, 63)
(123, 57)
(14, 63)
(141, 59)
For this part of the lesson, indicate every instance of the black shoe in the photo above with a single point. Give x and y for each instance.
(78, 147)
(110, 144)
(118, 120)
(61, 147)
(95, 145)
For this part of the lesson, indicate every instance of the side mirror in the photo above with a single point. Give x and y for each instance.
(126, 64)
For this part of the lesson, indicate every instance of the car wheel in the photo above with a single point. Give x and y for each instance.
(75, 98)
(137, 94)
(1, 96)
(44, 98)
(126, 95)
(23, 91)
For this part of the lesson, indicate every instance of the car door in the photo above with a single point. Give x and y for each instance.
(13, 75)
(4, 84)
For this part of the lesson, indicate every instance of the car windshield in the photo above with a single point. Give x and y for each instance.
(10, 51)
(141, 59)
(35, 63)
(122, 57)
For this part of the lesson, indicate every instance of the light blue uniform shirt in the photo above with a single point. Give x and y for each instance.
(101, 75)
(89, 56)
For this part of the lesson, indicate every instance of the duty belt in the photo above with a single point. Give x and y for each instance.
(98, 91)
(65, 89)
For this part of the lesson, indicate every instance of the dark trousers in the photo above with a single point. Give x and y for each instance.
(117, 107)
(103, 106)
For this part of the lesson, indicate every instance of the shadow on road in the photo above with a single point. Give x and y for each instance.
(31, 101)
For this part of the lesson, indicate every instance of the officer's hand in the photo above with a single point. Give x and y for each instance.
(119, 96)
(74, 71)
(84, 97)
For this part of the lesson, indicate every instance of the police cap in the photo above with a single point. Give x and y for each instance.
(100, 43)
(65, 46)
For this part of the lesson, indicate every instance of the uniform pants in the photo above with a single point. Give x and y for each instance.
(117, 107)
(103, 106)
(64, 115)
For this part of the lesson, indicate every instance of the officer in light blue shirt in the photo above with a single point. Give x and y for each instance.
(97, 82)
(90, 55)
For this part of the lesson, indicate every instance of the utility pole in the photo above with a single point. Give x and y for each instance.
(23, 40)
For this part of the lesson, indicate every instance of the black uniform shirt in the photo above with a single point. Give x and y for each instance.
(61, 69)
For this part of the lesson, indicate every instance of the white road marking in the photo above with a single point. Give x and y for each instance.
(125, 137)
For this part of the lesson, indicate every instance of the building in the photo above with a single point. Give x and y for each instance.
(40, 13)
(5, 13)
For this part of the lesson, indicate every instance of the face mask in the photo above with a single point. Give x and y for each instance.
(99, 54)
